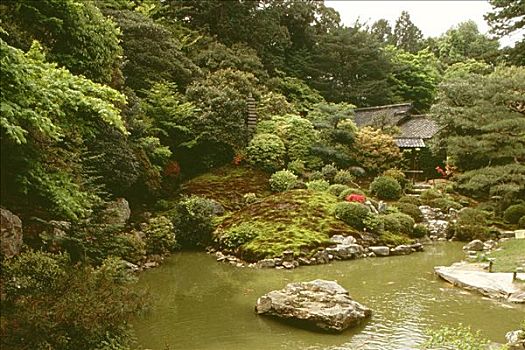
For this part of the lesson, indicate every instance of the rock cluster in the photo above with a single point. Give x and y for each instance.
(515, 340)
(10, 233)
(319, 303)
(436, 221)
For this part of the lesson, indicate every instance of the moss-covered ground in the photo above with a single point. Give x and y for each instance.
(228, 185)
(510, 256)
(298, 220)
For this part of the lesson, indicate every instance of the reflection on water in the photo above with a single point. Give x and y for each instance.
(201, 304)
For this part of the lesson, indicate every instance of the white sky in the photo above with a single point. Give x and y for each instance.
(432, 17)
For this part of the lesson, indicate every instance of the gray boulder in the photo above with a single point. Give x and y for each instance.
(515, 340)
(117, 212)
(340, 239)
(319, 303)
(380, 250)
(10, 233)
(475, 245)
(401, 250)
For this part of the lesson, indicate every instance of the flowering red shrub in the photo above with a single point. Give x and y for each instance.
(355, 198)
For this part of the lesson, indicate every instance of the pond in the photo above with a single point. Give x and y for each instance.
(198, 303)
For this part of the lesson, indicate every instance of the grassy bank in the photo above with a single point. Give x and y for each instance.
(510, 256)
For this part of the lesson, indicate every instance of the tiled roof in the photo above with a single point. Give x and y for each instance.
(381, 115)
(409, 142)
(418, 126)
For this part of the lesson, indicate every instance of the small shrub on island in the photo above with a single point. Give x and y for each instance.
(344, 177)
(352, 213)
(514, 213)
(419, 231)
(430, 194)
(193, 221)
(238, 235)
(444, 204)
(398, 175)
(283, 180)
(266, 151)
(318, 185)
(386, 187)
(159, 236)
(336, 189)
(410, 209)
(411, 200)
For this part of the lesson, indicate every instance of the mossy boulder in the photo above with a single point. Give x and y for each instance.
(297, 220)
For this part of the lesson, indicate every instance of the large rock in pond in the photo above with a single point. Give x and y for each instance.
(10, 233)
(319, 303)
(380, 250)
(475, 245)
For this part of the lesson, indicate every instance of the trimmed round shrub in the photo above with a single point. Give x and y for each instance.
(405, 223)
(521, 222)
(193, 221)
(282, 180)
(419, 231)
(238, 235)
(374, 223)
(410, 209)
(353, 213)
(159, 236)
(318, 185)
(431, 193)
(336, 189)
(467, 233)
(315, 175)
(410, 199)
(398, 175)
(350, 191)
(297, 167)
(266, 151)
(444, 204)
(471, 216)
(329, 171)
(514, 213)
(385, 187)
(344, 177)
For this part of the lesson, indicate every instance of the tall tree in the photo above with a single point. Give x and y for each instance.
(507, 16)
(466, 42)
(382, 31)
(351, 67)
(407, 35)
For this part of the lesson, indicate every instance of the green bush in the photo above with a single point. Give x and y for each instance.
(315, 175)
(344, 177)
(297, 167)
(393, 239)
(398, 175)
(282, 180)
(411, 200)
(193, 221)
(521, 222)
(410, 209)
(405, 222)
(48, 304)
(466, 233)
(238, 235)
(471, 216)
(374, 223)
(159, 235)
(353, 214)
(329, 171)
(266, 151)
(459, 338)
(391, 223)
(444, 204)
(385, 187)
(430, 194)
(419, 231)
(350, 191)
(514, 213)
(318, 185)
(336, 189)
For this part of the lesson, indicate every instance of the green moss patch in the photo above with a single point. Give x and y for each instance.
(299, 220)
(510, 256)
(228, 185)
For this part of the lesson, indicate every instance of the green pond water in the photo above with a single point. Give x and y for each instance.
(198, 303)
